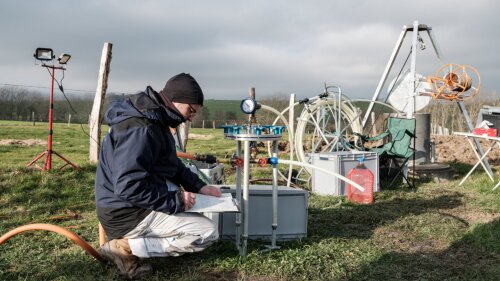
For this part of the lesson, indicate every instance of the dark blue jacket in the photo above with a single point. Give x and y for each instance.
(137, 158)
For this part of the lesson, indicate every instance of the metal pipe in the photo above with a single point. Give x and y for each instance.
(291, 123)
(246, 179)
(388, 67)
(339, 128)
(434, 43)
(48, 162)
(410, 109)
(433, 150)
(238, 197)
(422, 138)
(275, 198)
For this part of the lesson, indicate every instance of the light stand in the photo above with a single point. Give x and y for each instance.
(45, 54)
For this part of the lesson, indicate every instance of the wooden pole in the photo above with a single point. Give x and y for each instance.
(251, 117)
(95, 116)
(183, 132)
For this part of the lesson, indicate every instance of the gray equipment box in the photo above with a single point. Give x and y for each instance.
(292, 214)
(340, 162)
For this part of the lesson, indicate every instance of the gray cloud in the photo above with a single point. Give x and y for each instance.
(275, 46)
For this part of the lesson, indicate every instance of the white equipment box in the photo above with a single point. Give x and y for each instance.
(213, 172)
(292, 214)
(340, 162)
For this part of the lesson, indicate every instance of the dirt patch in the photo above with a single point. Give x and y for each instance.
(402, 242)
(200, 137)
(458, 149)
(470, 217)
(28, 142)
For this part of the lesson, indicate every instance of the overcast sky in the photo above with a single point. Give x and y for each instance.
(278, 47)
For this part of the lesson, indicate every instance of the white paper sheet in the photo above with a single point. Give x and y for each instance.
(206, 203)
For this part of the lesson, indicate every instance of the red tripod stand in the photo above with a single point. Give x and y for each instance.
(47, 164)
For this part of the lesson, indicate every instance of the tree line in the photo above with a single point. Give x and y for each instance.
(23, 104)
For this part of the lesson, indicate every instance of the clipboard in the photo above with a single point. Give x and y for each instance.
(211, 204)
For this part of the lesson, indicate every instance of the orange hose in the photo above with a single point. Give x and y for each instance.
(185, 155)
(57, 229)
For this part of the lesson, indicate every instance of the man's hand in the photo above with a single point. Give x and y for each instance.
(210, 190)
(189, 200)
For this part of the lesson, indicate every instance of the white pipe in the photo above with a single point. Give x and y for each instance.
(246, 179)
(268, 108)
(341, 177)
(291, 124)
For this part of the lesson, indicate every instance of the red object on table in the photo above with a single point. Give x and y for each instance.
(485, 132)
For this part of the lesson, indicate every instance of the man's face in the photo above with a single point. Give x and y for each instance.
(187, 110)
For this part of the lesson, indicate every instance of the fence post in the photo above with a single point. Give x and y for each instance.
(182, 133)
(69, 119)
(95, 116)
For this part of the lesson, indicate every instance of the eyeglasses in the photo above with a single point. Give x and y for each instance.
(191, 108)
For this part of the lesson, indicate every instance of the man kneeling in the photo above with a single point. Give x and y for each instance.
(139, 202)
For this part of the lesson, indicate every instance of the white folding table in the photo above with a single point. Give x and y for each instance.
(492, 142)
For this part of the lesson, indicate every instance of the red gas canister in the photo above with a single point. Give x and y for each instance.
(364, 177)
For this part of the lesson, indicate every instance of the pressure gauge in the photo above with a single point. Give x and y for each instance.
(248, 106)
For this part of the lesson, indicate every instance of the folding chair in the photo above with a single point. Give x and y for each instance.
(400, 132)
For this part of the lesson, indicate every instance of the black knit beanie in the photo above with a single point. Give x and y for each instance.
(182, 88)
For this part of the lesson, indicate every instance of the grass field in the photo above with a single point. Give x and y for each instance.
(439, 232)
(222, 105)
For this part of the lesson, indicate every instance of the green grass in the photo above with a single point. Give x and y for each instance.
(222, 105)
(439, 232)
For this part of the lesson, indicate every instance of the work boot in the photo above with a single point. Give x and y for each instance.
(118, 251)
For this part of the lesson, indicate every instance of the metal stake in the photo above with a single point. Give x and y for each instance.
(274, 199)
(246, 180)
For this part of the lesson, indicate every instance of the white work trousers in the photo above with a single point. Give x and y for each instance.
(162, 235)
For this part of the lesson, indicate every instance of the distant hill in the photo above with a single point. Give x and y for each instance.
(223, 105)
(222, 109)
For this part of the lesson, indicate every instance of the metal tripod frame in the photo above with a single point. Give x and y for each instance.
(410, 109)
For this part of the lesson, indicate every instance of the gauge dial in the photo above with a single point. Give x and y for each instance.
(248, 106)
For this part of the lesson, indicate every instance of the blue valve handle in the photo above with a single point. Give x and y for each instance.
(273, 161)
